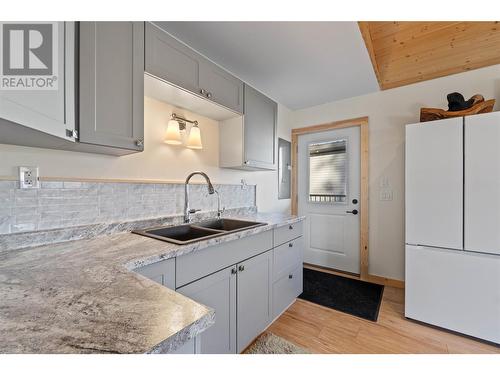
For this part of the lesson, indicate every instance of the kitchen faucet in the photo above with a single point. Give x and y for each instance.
(188, 211)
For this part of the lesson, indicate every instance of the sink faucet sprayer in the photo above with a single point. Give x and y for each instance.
(188, 211)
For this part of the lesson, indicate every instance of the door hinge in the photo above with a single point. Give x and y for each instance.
(71, 133)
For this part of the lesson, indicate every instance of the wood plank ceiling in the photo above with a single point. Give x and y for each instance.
(407, 52)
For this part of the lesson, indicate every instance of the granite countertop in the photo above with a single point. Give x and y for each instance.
(83, 297)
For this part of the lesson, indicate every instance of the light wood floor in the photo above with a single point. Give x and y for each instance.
(323, 330)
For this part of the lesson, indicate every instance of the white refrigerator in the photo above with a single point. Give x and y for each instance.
(452, 179)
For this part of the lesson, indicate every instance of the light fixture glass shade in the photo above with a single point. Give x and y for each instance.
(194, 140)
(173, 135)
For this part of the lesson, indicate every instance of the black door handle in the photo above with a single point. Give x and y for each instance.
(354, 212)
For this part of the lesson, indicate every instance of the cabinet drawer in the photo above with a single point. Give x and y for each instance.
(286, 289)
(287, 257)
(287, 233)
(196, 265)
(162, 272)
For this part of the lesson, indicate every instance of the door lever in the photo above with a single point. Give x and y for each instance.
(354, 212)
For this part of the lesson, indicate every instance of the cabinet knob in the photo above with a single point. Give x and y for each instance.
(354, 212)
(139, 142)
(233, 271)
(209, 95)
(203, 92)
(241, 268)
(290, 276)
(290, 227)
(290, 244)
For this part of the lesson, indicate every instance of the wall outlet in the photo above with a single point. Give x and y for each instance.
(29, 178)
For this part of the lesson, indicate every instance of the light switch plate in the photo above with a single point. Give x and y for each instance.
(29, 178)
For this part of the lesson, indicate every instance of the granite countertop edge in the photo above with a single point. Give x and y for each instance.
(109, 247)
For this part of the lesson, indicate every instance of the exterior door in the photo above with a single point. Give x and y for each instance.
(434, 183)
(328, 189)
(254, 298)
(217, 291)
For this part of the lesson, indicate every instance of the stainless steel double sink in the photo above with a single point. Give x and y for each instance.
(189, 233)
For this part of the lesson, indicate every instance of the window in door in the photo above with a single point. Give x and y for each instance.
(328, 171)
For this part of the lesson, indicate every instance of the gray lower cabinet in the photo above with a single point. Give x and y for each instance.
(112, 86)
(46, 117)
(241, 298)
(247, 282)
(162, 272)
(172, 61)
(254, 302)
(249, 142)
(286, 289)
(217, 291)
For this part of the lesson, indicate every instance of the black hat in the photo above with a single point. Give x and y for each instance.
(456, 102)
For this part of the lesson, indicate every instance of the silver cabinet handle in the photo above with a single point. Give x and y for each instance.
(241, 268)
(209, 95)
(234, 271)
(139, 142)
(203, 92)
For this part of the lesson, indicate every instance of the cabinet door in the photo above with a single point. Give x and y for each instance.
(260, 116)
(49, 111)
(217, 291)
(112, 84)
(170, 60)
(162, 272)
(221, 87)
(434, 183)
(254, 298)
(482, 183)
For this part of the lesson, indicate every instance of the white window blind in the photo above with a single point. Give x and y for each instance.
(328, 171)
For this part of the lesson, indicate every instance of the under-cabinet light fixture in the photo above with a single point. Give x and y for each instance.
(177, 125)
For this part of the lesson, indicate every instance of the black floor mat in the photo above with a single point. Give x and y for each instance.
(355, 297)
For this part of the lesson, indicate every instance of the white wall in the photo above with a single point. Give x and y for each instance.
(158, 161)
(388, 113)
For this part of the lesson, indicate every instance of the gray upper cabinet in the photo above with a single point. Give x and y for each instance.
(249, 142)
(260, 121)
(112, 85)
(26, 116)
(254, 304)
(218, 291)
(221, 87)
(172, 61)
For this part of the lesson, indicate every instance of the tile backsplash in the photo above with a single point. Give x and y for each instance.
(59, 204)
